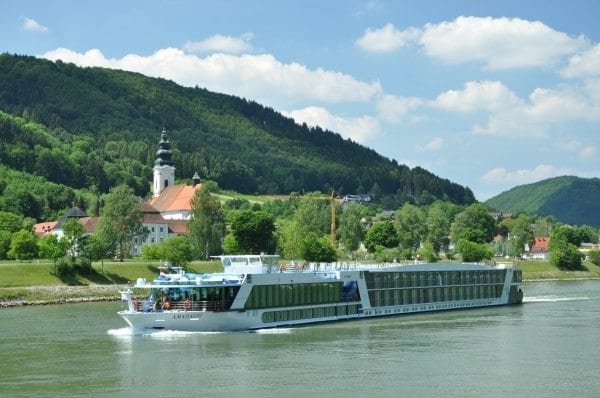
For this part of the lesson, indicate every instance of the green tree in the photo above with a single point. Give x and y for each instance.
(565, 255)
(73, 232)
(563, 245)
(152, 252)
(474, 224)
(121, 218)
(317, 249)
(587, 234)
(520, 234)
(428, 253)
(97, 246)
(23, 246)
(351, 229)
(230, 245)
(52, 248)
(5, 238)
(594, 256)
(207, 226)
(438, 227)
(383, 234)
(253, 231)
(411, 226)
(313, 214)
(11, 222)
(290, 239)
(177, 250)
(473, 252)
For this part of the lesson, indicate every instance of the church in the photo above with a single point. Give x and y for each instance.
(168, 211)
(166, 214)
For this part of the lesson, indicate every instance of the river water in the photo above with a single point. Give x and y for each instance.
(547, 347)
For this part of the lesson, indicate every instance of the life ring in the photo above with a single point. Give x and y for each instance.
(136, 305)
(187, 304)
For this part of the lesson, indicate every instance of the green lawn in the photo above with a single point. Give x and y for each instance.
(538, 269)
(23, 274)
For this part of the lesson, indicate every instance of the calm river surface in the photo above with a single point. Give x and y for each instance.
(548, 347)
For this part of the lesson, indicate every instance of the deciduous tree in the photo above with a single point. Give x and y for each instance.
(207, 226)
(23, 246)
(121, 218)
(253, 231)
(383, 234)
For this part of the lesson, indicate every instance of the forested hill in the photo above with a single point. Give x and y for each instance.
(569, 199)
(93, 126)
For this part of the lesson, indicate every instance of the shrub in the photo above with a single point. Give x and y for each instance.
(63, 267)
(594, 256)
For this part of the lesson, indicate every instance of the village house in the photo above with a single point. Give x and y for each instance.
(539, 249)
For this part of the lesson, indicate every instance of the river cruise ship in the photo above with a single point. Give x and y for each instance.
(255, 292)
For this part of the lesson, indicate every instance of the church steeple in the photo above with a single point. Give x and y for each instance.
(164, 171)
(163, 155)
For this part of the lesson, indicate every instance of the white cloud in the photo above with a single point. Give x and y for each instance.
(259, 77)
(500, 43)
(566, 103)
(433, 145)
(386, 39)
(394, 109)
(34, 26)
(545, 108)
(358, 129)
(588, 152)
(501, 175)
(584, 64)
(221, 44)
(485, 95)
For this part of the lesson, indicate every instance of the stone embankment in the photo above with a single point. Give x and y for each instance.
(57, 294)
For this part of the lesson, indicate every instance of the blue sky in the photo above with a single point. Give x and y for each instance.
(488, 94)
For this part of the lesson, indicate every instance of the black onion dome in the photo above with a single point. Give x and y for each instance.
(163, 155)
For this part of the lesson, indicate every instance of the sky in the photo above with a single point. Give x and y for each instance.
(488, 94)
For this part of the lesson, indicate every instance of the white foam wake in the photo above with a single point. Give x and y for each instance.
(543, 299)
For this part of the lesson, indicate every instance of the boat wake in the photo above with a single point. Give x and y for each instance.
(121, 332)
(128, 333)
(274, 331)
(552, 299)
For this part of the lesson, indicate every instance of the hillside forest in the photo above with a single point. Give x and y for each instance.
(80, 131)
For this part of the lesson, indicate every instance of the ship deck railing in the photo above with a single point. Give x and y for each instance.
(183, 305)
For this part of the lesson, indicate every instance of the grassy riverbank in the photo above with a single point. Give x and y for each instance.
(35, 283)
(27, 283)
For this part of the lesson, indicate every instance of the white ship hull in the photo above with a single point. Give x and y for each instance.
(227, 321)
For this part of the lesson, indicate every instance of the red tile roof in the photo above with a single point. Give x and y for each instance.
(175, 198)
(44, 228)
(89, 223)
(540, 244)
(179, 227)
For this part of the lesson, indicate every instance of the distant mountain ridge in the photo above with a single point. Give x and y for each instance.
(83, 127)
(570, 199)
